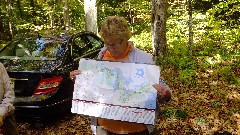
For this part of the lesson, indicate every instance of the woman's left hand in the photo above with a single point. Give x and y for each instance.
(163, 94)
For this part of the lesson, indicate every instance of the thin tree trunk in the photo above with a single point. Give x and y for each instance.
(9, 16)
(190, 43)
(131, 16)
(19, 8)
(66, 15)
(90, 9)
(1, 24)
(158, 28)
(2, 35)
(33, 12)
(50, 13)
(50, 19)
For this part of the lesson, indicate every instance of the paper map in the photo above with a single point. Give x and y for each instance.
(115, 90)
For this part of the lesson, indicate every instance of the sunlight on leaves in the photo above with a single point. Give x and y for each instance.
(214, 60)
(234, 95)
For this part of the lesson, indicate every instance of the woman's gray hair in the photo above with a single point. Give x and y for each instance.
(115, 27)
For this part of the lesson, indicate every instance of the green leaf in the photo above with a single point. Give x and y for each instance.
(181, 113)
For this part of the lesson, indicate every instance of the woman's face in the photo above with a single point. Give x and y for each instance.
(116, 46)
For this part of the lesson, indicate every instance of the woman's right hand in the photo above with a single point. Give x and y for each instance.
(73, 74)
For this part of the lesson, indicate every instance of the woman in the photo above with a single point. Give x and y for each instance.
(7, 119)
(116, 33)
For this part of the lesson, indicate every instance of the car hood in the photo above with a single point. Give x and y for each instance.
(30, 64)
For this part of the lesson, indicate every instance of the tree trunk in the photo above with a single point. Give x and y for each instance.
(19, 8)
(90, 9)
(190, 42)
(158, 28)
(1, 29)
(9, 16)
(33, 12)
(1, 24)
(66, 15)
(131, 16)
(50, 19)
(50, 11)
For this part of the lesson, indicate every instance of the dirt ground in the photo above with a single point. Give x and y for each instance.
(70, 124)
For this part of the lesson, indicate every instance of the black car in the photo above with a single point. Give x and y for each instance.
(39, 67)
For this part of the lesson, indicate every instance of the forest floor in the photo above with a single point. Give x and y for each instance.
(70, 124)
(210, 105)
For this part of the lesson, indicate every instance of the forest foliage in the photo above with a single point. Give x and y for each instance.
(206, 90)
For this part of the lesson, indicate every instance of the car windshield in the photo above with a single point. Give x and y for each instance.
(30, 48)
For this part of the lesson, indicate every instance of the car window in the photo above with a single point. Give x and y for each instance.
(95, 42)
(86, 45)
(45, 47)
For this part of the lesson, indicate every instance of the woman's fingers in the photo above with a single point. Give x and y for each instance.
(156, 86)
(159, 89)
(74, 73)
(162, 92)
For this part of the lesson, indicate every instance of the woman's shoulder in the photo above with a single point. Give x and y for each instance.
(1, 65)
(141, 56)
(140, 52)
